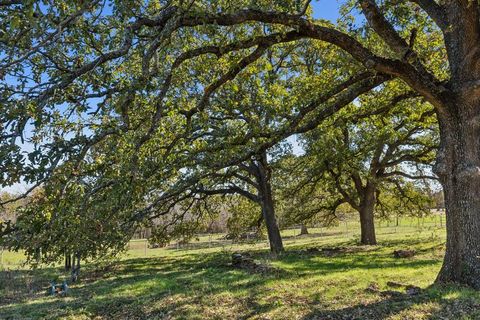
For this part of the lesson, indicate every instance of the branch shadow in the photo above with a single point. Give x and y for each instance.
(435, 302)
(186, 285)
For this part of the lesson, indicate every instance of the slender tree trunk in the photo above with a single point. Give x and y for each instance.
(268, 207)
(78, 262)
(458, 166)
(367, 208)
(68, 261)
(75, 267)
(274, 237)
(303, 229)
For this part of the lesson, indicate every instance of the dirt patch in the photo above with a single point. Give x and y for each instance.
(333, 251)
(410, 290)
(314, 251)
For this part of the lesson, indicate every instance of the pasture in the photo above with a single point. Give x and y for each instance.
(196, 281)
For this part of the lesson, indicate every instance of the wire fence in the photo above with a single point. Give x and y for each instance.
(433, 224)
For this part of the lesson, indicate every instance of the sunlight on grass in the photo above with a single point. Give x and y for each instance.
(195, 281)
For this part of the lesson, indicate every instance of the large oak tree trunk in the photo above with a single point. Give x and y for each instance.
(367, 208)
(268, 207)
(458, 166)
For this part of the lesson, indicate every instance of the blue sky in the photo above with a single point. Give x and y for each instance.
(326, 9)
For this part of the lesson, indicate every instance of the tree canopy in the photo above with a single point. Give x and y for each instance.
(115, 106)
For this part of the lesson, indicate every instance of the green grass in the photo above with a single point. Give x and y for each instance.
(196, 282)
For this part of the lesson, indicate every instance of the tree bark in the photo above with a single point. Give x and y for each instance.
(274, 237)
(75, 267)
(303, 229)
(268, 207)
(367, 208)
(78, 262)
(68, 261)
(458, 167)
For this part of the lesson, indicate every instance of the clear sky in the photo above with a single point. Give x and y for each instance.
(326, 9)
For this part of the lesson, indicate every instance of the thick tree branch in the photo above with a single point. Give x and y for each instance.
(246, 180)
(340, 101)
(336, 177)
(435, 11)
(231, 189)
(357, 181)
(383, 28)
(408, 176)
(417, 77)
(405, 50)
(385, 107)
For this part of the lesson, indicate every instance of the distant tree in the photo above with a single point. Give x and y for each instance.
(7, 212)
(301, 202)
(438, 200)
(252, 180)
(358, 160)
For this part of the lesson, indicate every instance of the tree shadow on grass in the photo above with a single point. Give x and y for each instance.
(314, 235)
(198, 285)
(137, 283)
(350, 256)
(316, 265)
(192, 246)
(435, 302)
(20, 285)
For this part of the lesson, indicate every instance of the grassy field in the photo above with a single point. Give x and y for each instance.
(197, 282)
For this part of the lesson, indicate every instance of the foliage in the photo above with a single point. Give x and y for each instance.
(245, 216)
(385, 141)
(129, 107)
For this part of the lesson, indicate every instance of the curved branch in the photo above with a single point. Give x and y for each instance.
(383, 28)
(408, 176)
(435, 11)
(416, 76)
